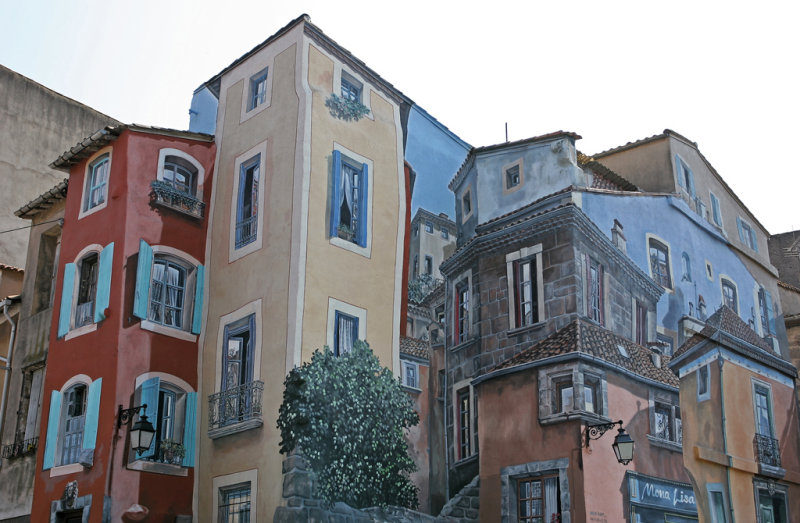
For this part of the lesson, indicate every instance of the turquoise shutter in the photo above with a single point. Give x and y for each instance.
(103, 282)
(335, 193)
(197, 313)
(53, 420)
(189, 423)
(65, 316)
(362, 212)
(691, 181)
(92, 414)
(149, 397)
(715, 210)
(741, 230)
(770, 312)
(754, 239)
(143, 270)
(679, 170)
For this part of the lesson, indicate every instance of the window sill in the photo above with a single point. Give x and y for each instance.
(585, 416)
(665, 443)
(168, 331)
(415, 390)
(158, 468)
(227, 430)
(63, 470)
(80, 331)
(466, 461)
(770, 471)
(527, 328)
(463, 344)
(350, 246)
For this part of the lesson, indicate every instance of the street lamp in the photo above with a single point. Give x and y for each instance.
(623, 443)
(142, 432)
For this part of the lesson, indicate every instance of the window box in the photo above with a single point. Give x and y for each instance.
(346, 233)
(165, 195)
(235, 410)
(345, 108)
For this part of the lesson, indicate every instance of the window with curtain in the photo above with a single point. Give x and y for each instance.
(167, 293)
(525, 287)
(349, 200)
(247, 202)
(97, 182)
(729, 297)
(74, 418)
(180, 175)
(234, 504)
(659, 263)
(538, 500)
(87, 288)
(345, 334)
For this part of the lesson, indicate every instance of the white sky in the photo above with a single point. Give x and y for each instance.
(723, 74)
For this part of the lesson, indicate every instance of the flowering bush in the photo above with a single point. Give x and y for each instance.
(346, 109)
(347, 414)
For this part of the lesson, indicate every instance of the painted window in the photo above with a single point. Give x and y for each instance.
(234, 504)
(763, 408)
(659, 263)
(717, 502)
(703, 383)
(247, 202)
(464, 423)
(258, 90)
(563, 398)
(237, 354)
(428, 265)
(641, 323)
(429, 227)
(169, 290)
(747, 235)
(512, 176)
(96, 191)
(667, 421)
(716, 213)
(351, 88)
(349, 205)
(416, 265)
(729, 296)
(592, 395)
(84, 302)
(445, 233)
(668, 342)
(173, 413)
(539, 500)
(594, 290)
(415, 231)
(575, 390)
(766, 312)
(72, 424)
(180, 175)
(687, 267)
(685, 176)
(771, 503)
(466, 204)
(526, 302)
(345, 333)
(462, 312)
(411, 374)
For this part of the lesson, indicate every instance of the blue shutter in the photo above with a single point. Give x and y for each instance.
(335, 347)
(103, 282)
(189, 423)
(753, 237)
(770, 312)
(65, 315)
(143, 271)
(335, 193)
(690, 176)
(53, 420)
(92, 414)
(197, 313)
(741, 230)
(149, 397)
(715, 209)
(679, 170)
(363, 211)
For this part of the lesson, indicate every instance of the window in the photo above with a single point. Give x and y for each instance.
(524, 276)
(592, 395)
(763, 410)
(462, 312)
(349, 206)
(237, 353)
(716, 214)
(72, 423)
(411, 374)
(464, 423)
(563, 398)
(703, 383)
(771, 502)
(96, 190)
(89, 296)
(571, 388)
(351, 88)
(429, 227)
(641, 323)
(685, 176)
(539, 499)
(659, 263)
(765, 312)
(416, 265)
(445, 234)
(747, 235)
(416, 231)
(668, 342)
(466, 205)
(173, 412)
(512, 176)
(345, 334)
(258, 90)
(234, 504)
(729, 296)
(169, 290)
(180, 175)
(46, 262)
(717, 502)
(667, 422)
(594, 290)
(247, 202)
(687, 267)
(428, 265)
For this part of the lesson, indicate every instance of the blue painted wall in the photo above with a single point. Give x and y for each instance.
(435, 154)
(203, 112)
(671, 219)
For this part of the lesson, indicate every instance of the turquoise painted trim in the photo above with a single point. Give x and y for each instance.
(51, 441)
(65, 314)
(189, 427)
(103, 296)
(144, 269)
(92, 414)
(199, 287)
(149, 397)
(336, 194)
(363, 211)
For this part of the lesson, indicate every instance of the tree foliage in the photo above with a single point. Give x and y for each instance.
(348, 414)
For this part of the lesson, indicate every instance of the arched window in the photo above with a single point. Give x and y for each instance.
(180, 175)
(173, 412)
(687, 267)
(659, 263)
(84, 302)
(167, 291)
(97, 182)
(73, 421)
(729, 297)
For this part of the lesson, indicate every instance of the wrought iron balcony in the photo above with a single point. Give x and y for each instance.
(167, 196)
(246, 231)
(235, 409)
(767, 450)
(20, 448)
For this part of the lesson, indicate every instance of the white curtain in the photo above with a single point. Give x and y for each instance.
(171, 315)
(346, 328)
(347, 189)
(156, 291)
(550, 498)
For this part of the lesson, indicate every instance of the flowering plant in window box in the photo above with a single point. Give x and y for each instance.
(345, 109)
(346, 233)
(165, 194)
(172, 451)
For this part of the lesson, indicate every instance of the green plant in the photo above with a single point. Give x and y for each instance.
(170, 448)
(347, 415)
(346, 109)
(168, 193)
(421, 286)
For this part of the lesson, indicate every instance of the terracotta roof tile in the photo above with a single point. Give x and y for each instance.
(5, 267)
(414, 347)
(726, 320)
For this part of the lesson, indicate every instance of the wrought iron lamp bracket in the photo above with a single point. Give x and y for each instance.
(124, 416)
(596, 431)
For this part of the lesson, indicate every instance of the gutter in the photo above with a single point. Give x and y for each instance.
(7, 363)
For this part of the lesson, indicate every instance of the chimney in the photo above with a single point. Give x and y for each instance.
(618, 237)
(655, 353)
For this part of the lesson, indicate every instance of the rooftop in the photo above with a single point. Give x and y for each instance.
(414, 347)
(44, 201)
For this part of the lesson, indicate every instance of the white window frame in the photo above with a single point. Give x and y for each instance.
(87, 172)
(340, 70)
(703, 396)
(672, 402)
(233, 252)
(410, 364)
(230, 480)
(253, 308)
(358, 159)
(335, 305)
(71, 468)
(534, 251)
(504, 173)
(754, 382)
(200, 170)
(249, 71)
(89, 327)
(726, 278)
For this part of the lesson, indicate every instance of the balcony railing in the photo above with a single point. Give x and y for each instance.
(166, 195)
(20, 448)
(236, 406)
(246, 231)
(767, 450)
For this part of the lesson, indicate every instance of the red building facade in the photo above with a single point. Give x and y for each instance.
(128, 313)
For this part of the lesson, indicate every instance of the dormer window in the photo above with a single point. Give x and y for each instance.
(512, 176)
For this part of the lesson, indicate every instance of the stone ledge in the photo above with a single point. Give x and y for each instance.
(227, 430)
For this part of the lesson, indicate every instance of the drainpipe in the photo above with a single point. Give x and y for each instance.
(725, 434)
(7, 363)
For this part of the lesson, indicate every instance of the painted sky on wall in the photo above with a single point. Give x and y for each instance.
(721, 73)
